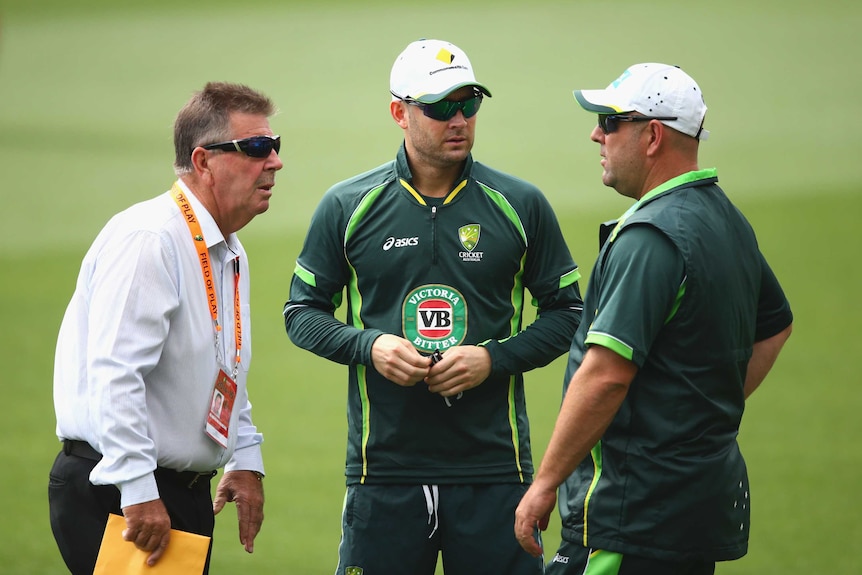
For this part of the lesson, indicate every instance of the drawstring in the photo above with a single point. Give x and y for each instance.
(449, 403)
(432, 497)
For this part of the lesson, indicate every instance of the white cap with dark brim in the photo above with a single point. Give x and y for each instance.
(429, 70)
(653, 90)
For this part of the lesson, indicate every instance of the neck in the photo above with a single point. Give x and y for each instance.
(664, 171)
(205, 196)
(433, 181)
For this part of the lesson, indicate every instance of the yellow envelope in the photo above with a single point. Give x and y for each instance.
(186, 553)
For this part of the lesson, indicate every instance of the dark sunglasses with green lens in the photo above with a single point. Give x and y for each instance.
(610, 122)
(446, 109)
(254, 147)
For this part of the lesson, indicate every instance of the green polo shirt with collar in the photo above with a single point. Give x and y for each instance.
(681, 289)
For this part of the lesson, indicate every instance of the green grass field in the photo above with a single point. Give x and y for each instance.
(88, 94)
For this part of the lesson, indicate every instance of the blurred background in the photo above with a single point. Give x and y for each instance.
(88, 95)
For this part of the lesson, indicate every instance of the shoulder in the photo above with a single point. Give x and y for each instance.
(157, 216)
(639, 238)
(355, 188)
(146, 235)
(344, 199)
(525, 198)
(504, 183)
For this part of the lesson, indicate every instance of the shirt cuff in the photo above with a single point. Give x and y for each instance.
(246, 459)
(138, 490)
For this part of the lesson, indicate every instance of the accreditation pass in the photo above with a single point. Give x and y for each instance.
(221, 406)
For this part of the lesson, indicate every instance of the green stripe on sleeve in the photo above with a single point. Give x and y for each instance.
(568, 279)
(613, 344)
(304, 275)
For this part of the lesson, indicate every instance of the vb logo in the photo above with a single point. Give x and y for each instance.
(434, 317)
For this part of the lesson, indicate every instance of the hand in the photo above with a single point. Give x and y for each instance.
(246, 490)
(533, 512)
(462, 368)
(148, 525)
(398, 361)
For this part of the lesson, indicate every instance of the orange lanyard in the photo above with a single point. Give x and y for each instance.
(206, 270)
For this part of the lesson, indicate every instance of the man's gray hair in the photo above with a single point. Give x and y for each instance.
(205, 119)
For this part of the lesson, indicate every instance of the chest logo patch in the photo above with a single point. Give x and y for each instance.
(469, 237)
(434, 317)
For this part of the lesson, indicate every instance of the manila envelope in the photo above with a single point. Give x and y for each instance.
(186, 554)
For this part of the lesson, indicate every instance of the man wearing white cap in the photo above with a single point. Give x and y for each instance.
(435, 251)
(685, 319)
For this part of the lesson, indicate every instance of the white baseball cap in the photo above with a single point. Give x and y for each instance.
(653, 90)
(429, 70)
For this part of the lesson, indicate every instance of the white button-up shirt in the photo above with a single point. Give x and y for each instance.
(136, 358)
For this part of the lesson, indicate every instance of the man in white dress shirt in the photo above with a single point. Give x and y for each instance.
(157, 329)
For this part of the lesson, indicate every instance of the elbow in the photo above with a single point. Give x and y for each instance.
(787, 331)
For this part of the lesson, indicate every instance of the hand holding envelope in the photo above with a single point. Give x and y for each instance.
(186, 554)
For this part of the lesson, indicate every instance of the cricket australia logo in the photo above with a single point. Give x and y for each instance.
(434, 317)
(469, 237)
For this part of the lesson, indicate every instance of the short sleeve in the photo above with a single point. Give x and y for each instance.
(641, 276)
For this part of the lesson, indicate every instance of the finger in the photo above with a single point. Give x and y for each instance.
(543, 522)
(133, 535)
(405, 375)
(250, 521)
(148, 542)
(448, 384)
(218, 503)
(143, 540)
(531, 546)
(523, 528)
(161, 547)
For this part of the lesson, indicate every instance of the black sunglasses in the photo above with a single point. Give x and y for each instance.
(446, 109)
(610, 122)
(254, 147)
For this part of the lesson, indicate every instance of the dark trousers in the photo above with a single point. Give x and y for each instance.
(79, 510)
(401, 529)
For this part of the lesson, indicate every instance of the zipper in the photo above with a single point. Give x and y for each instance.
(433, 235)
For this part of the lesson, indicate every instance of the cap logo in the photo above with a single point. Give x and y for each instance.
(445, 56)
(622, 77)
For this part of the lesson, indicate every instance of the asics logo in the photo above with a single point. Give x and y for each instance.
(393, 242)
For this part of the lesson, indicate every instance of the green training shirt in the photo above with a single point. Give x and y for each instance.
(680, 288)
(440, 273)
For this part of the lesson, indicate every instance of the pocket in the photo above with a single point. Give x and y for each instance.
(56, 486)
(55, 478)
(349, 503)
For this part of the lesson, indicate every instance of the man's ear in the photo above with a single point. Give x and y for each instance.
(201, 164)
(398, 109)
(656, 132)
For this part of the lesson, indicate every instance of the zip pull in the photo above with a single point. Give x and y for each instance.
(433, 212)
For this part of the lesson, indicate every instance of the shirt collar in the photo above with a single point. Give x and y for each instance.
(212, 233)
(405, 176)
(683, 180)
(677, 182)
